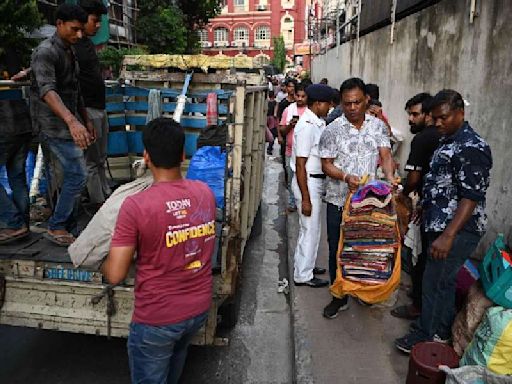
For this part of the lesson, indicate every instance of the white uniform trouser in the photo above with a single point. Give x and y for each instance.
(310, 228)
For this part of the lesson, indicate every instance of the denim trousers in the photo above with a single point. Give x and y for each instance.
(291, 196)
(334, 214)
(14, 213)
(74, 174)
(157, 353)
(439, 279)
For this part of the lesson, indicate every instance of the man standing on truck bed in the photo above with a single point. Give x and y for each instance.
(171, 226)
(55, 104)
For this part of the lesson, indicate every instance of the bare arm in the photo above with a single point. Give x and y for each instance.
(302, 181)
(388, 164)
(117, 265)
(413, 182)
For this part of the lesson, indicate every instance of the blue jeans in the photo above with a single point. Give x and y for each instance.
(333, 236)
(14, 214)
(157, 353)
(291, 197)
(439, 279)
(74, 172)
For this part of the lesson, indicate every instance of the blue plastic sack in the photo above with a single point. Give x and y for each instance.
(209, 165)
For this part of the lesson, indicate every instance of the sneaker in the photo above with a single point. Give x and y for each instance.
(414, 327)
(315, 282)
(319, 271)
(406, 343)
(335, 306)
(439, 339)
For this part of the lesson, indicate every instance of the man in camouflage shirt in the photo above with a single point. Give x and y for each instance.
(454, 218)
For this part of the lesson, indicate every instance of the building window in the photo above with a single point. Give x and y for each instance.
(203, 35)
(241, 33)
(220, 34)
(239, 3)
(262, 33)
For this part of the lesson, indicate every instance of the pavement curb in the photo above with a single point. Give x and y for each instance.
(302, 364)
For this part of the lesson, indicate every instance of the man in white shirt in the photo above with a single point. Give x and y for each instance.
(308, 184)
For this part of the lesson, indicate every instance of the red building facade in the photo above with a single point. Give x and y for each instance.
(247, 27)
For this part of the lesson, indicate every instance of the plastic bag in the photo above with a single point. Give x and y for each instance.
(209, 165)
(473, 374)
(371, 294)
(491, 346)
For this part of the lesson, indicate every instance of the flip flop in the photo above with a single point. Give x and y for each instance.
(5, 238)
(60, 240)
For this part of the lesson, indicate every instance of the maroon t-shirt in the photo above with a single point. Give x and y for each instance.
(172, 226)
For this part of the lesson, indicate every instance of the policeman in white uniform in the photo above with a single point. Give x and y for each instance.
(308, 184)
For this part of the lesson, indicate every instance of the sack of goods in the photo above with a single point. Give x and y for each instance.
(369, 244)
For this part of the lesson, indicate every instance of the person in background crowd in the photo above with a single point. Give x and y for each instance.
(324, 81)
(92, 88)
(56, 104)
(423, 145)
(15, 138)
(290, 98)
(336, 111)
(308, 184)
(291, 115)
(173, 281)
(350, 147)
(454, 219)
(271, 120)
(281, 95)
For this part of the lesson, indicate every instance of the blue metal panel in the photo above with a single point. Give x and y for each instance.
(135, 91)
(116, 121)
(136, 106)
(136, 119)
(190, 143)
(135, 142)
(115, 107)
(117, 143)
(194, 108)
(188, 122)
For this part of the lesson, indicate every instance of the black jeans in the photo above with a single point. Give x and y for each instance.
(333, 236)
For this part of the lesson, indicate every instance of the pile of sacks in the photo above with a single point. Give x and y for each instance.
(369, 235)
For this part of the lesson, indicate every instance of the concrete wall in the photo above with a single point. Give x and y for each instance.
(439, 48)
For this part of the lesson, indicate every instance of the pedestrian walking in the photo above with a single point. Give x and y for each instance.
(350, 147)
(271, 120)
(454, 219)
(424, 143)
(171, 228)
(289, 119)
(308, 184)
(56, 106)
(283, 104)
(92, 88)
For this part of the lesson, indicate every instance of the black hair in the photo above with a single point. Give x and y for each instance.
(324, 81)
(336, 97)
(306, 83)
(164, 140)
(290, 80)
(423, 98)
(372, 90)
(69, 12)
(374, 102)
(447, 96)
(93, 7)
(352, 83)
(271, 93)
(300, 87)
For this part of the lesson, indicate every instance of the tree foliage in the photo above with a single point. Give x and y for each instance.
(161, 27)
(17, 19)
(170, 26)
(279, 59)
(112, 58)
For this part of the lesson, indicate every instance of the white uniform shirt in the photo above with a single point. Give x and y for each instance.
(306, 137)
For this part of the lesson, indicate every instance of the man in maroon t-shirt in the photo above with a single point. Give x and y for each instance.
(171, 227)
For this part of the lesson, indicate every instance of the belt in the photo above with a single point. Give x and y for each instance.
(317, 175)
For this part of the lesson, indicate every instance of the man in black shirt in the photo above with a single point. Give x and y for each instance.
(423, 145)
(92, 88)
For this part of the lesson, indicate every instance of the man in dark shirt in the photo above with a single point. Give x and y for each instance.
(55, 106)
(92, 88)
(454, 219)
(15, 138)
(423, 145)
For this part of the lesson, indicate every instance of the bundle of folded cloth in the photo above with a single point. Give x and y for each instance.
(369, 233)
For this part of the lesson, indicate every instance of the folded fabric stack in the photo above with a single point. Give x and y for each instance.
(369, 235)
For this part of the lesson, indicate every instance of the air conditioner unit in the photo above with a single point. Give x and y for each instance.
(206, 44)
(261, 7)
(221, 44)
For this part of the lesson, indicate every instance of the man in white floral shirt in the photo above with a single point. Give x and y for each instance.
(350, 147)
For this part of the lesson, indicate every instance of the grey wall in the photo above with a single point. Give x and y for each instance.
(439, 48)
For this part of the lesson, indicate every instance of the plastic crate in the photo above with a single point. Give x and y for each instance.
(496, 277)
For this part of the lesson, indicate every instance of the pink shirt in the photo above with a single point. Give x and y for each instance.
(289, 136)
(172, 226)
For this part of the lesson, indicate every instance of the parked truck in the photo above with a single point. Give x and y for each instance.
(40, 287)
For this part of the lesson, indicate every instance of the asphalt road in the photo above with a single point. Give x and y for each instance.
(260, 349)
